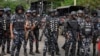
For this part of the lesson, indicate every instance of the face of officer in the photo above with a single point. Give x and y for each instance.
(80, 14)
(8, 12)
(52, 14)
(87, 19)
(1, 12)
(34, 14)
(94, 15)
(20, 11)
(28, 14)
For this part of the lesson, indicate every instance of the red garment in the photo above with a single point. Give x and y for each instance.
(99, 46)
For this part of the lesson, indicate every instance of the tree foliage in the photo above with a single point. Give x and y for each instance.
(56, 3)
(91, 3)
(13, 4)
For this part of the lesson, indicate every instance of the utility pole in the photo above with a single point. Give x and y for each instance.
(41, 7)
(51, 5)
(75, 2)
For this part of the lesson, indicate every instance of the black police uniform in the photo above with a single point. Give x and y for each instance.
(72, 28)
(1, 28)
(87, 32)
(6, 34)
(18, 21)
(52, 26)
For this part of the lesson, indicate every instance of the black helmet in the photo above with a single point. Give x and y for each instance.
(34, 11)
(52, 11)
(28, 11)
(1, 9)
(94, 12)
(7, 9)
(80, 11)
(19, 7)
(73, 13)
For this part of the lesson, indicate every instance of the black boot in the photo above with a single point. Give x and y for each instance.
(8, 51)
(31, 53)
(63, 47)
(17, 54)
(57, 53)
(37, 51)
(25, 53)
(3, 53)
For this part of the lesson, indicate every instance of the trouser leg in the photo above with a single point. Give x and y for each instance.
(36, 33)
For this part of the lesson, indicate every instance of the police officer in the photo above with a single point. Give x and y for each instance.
(1, 27)
(36, 20)
(81, 20)
(17, 30)
(7, 30)
(66, 19)
(87, 32)
(72, 34)
(52, 26)
(28, 32)
(94, 16)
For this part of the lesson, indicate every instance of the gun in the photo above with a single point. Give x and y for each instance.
(42, 33)
(41, 36)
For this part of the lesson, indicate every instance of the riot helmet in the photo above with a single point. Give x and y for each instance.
(19, 9)
(28, 12)
(80, 13)
(52, 12)
(73, 14)
(94, 13)
(1, 11)
(34, 13)
(7, 10)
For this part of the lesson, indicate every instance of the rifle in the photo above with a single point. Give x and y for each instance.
(43, 30)
(42, 33)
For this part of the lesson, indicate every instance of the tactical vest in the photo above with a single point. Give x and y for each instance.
(87, 30)
(53, 24)
(19, 22)
(1, 23)
(81, 22)
(98, 26)
(73, 25)
(6, 22)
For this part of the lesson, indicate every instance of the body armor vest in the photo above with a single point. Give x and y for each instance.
(98, 26)
(7, 22)
(1, 23)
(87, 29)
(81, 22)
(73, 25)
(53, 24)
(19, 22)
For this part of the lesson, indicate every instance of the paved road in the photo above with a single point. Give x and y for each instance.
(60, 41)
